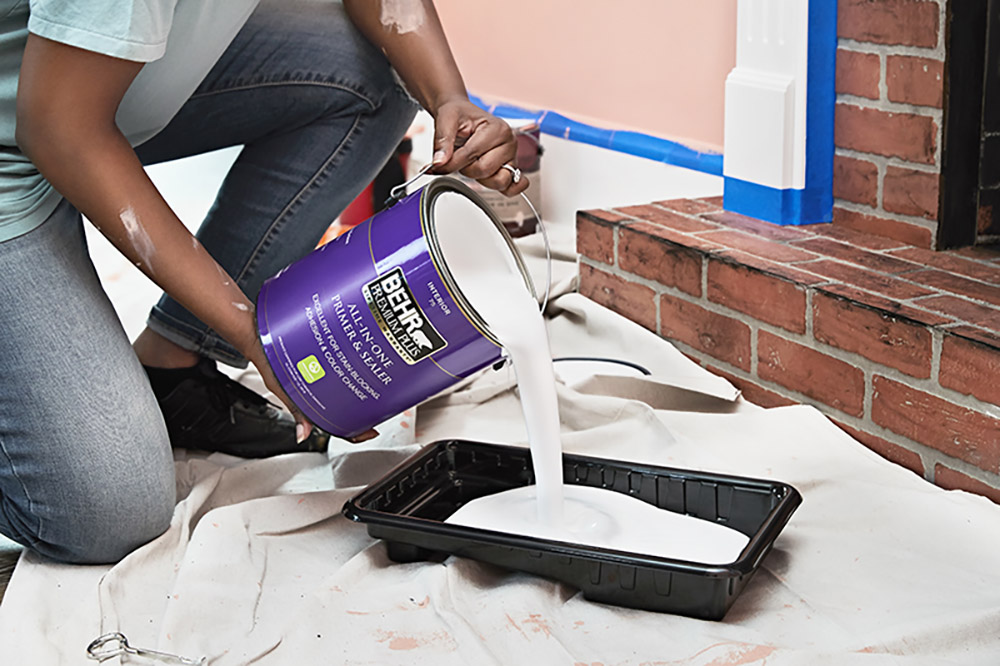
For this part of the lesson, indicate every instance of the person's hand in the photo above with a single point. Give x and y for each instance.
(477, 144)
(303, 426)
(256, 355)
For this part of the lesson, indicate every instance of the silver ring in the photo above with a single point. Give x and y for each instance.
(514, 171)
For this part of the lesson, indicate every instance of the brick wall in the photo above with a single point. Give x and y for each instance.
(899, 345)
(890, 83)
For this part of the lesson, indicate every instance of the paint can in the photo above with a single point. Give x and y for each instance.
(373, 322)
(517, 216)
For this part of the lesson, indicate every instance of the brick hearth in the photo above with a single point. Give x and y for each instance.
(897, 344)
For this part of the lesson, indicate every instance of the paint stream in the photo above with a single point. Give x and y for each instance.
(403, 16)
(137, 235)
(487, 274)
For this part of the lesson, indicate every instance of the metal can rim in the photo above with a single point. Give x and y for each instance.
(428, 196)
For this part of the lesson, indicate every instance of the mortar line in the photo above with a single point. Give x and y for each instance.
(887, 160)
(931, 112)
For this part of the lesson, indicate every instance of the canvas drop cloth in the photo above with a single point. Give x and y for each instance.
(876, 567)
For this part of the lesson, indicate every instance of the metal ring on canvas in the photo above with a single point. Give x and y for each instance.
(514, 171)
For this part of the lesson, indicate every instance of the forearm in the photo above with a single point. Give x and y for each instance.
(66, 104)
(98, 172)
(411, 36)
(466, 138)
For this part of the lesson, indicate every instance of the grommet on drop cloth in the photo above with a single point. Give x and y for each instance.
(514, 171)
(115, 644)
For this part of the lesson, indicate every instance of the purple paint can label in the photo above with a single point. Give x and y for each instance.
(373, 323)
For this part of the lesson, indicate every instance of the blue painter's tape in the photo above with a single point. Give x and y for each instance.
(633, 143)
(769, 203)
(814, 203)
(821, 99)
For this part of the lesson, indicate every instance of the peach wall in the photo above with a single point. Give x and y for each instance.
(654, 66)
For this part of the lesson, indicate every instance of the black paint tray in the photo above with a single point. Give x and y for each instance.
(408, 506)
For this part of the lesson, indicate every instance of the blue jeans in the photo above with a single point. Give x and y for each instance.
(86, 472)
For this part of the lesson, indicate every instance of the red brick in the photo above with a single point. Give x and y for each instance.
(887, 306)
(868, 241)
(859, 277)
(875, 335)
(595, 238)
(975, 334)
(632, 301)
(689, 206)
(756, 227)
(858, 73)
(957, 284)
(918, 81)
(757, 294)
(721, 337)
(980, 252)
(810, 372)
(849, 253)
(903, 22)
(910, 192)
(952, 429)
(660, 260)
(904, 135)
(886, 449)
(963, 310)
(667, 218)
(984, 220)
(970, 368)
(753, 392)
(911, 234)
(762, 247)
(948, 261)
(855, 180)
(602, 215)
(951, 479)
(712, 201)
(785, 271)
(674, 236)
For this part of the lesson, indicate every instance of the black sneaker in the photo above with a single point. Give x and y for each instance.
(206, 410)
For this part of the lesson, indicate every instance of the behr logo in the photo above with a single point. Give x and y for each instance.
(402, 304)
(400, 318)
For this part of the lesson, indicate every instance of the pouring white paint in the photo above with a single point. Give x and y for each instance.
(484, 269)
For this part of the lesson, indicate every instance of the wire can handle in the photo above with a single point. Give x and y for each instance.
(398, 192)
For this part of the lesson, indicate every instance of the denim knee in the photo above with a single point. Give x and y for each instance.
(116, 521)
(90, 495)
(99, 523)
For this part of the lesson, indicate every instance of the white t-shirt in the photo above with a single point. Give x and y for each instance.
(179, 39)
